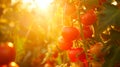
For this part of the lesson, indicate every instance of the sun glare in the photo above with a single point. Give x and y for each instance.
(43, 4)
(26, 1)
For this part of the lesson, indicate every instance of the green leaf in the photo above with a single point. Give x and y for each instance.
(115, 35)
(59, 60)
(109, 16)
(20, 51)
(117, 21)
(113, 57)
(116, 58)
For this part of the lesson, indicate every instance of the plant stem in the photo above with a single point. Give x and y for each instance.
(82, 33)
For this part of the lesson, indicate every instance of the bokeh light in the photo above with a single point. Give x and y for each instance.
(10, 44)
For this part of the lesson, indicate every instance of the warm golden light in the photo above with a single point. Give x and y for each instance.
(13, 64)
(114, 3)
(10, 44)
(14, 2)
(26, 1)
(43, 4)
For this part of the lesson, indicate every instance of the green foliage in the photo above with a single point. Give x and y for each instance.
(20, 51)
(113, 57)
(108, 16)
(114, 35)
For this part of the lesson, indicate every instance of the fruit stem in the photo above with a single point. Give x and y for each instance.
(82, 34)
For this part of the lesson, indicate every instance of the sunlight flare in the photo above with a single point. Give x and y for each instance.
(43, 4)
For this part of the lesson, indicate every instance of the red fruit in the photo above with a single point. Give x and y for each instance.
(3, 66)
(89, 17)
(85, 63)
(87, 30)
(55, 54)
(96, 49)
(70, 33)
(64, 45)
(77, 54)
(7, 53)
